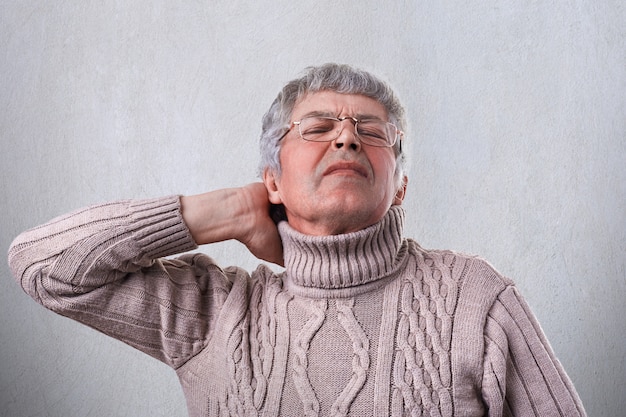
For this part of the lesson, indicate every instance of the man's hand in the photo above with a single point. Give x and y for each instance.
(235, 213)
(261, 235)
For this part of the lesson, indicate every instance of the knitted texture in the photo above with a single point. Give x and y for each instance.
(367, 323)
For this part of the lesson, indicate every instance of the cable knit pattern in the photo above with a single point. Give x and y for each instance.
(360, 360)
(362, 324)
(423, 371)
(300, 368)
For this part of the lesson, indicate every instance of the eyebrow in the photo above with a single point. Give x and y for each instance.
(359, 116)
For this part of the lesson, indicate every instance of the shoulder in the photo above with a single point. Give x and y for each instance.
(469, 272)
(234, 287)
(205, 267)
(203, 272)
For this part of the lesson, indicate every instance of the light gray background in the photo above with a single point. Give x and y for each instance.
(517, 143)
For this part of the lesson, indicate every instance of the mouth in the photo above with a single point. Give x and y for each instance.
(346, 167)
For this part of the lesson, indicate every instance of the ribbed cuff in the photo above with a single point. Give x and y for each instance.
(159, 228)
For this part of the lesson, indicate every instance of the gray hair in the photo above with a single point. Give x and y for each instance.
(342, 79)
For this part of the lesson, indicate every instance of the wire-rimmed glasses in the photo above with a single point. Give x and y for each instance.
(373, 132)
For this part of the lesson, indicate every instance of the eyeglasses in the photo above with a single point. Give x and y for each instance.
(326, 129)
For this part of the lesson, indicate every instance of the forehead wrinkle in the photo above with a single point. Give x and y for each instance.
(331, 108)
(358, 116)
(318, 113)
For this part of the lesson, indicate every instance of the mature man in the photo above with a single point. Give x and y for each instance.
(361, 322)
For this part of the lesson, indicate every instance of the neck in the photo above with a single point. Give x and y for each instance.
(337, 224)
(343, 263)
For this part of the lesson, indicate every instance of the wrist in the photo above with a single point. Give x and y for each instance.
(214, 216)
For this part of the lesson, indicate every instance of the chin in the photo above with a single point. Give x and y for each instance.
(349, 219)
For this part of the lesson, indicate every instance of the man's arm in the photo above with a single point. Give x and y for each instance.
(104, 266)
(235, 213)
(522, 376)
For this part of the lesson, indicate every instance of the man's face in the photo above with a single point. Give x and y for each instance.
(334, 187)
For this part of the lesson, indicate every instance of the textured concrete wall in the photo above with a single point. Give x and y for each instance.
(517, 141)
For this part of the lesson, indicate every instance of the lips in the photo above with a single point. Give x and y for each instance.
(346, 166)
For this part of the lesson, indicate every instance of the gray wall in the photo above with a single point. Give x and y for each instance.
(518, 137)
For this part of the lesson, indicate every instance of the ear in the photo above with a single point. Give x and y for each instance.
(271, 181)
(399, 197)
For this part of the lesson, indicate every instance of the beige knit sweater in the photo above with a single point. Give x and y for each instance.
(361, 324)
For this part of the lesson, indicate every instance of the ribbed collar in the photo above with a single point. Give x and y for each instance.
(343, 262)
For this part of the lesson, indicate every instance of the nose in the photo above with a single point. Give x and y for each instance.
(347, 137)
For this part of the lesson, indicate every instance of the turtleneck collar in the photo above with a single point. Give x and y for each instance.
(339, 265)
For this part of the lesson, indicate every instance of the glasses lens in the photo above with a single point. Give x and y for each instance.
(319, 129)
(376, 132)
(326, 129)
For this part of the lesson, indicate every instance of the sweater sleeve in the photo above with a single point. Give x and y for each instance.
(104, 266)
(522, 376)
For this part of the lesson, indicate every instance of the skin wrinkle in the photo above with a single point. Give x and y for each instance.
(319, 204)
